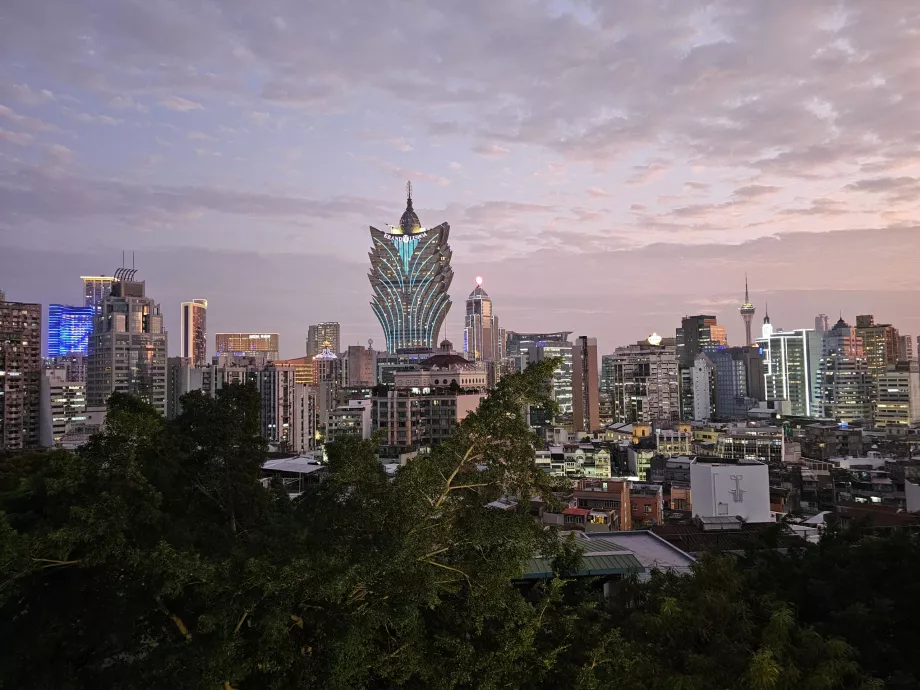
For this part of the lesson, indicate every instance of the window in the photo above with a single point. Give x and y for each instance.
(647, 508)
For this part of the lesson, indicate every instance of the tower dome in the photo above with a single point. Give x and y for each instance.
(409, 223)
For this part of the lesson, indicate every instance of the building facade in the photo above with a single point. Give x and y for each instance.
(561, 383)
(483, 338)
(360, 366)
(20, 374)
(248, 344)
(897, 396)
(696, 333)
(319, 334)
(410, 277)
(847, 386)
(881, 343)
(791, 360)
(128, 348)
(642, 382)
(63, 405)
(585, 386)
(738, 489)
(69, 329)
(193, 344)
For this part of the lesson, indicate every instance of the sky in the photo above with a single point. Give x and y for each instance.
(607, 167)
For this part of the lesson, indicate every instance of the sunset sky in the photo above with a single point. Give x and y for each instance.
(606, 166)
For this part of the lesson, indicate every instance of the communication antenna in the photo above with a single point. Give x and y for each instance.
(409, 192)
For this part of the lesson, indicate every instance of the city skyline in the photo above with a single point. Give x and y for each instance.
(713, 149)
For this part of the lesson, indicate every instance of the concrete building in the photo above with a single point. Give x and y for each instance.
(897, 396)
(847, 386)
(128, 348)
(881, 343)
(193, 336)
(305, 367)
(723, 489)
(791, 360)
(585, 386)
(703, 388)
(411, 420)
(824, 440)
(822, 323)
(642, 382)
(483, 338)
(906, 348)
(20, 374)
(63, 406)
(750, 443)
(738, 381)
(562, 383)
(319, 334)
(248, 344)
(360, 365)
(696, 333)
(352, 420)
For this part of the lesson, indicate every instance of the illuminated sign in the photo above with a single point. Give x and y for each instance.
(405, 238)
(654, 339)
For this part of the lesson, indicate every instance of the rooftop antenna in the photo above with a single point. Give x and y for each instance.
(122, 258)
(746, 299)
(409, 192)
(132, 258)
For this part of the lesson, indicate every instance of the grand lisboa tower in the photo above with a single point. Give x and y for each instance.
(410, 276)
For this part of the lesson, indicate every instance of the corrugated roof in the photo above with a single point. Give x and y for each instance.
(591, 564)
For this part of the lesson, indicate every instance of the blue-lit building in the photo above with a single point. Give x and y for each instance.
(69, 329)
(410, 276)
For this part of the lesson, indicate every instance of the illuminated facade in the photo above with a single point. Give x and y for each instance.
(69, 329)
(483, 339)
(20, 374)
(194, 335)
(248, 344)
(95, 290)
(791, 360)
(410, 276)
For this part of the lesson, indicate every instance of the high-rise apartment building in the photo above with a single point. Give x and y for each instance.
(906, 348)
(791, 360)
(483, 339)
(20, 374)
(248, 344)
(63, 403)
(846, 385)
(321, 333)
(410, 276)
(695, 334)
(738, 382)
(519, 342)
(69, 329)
(881, 343)
(95, 291)
(360, 366)
(561, 383)
(642, 382)
(585, 386)
(747, 314)
(703, 382)
(897, 396)
(128, 348)
(193, 344)
(822, 323)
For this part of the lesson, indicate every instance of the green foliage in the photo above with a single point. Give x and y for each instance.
(154, 557)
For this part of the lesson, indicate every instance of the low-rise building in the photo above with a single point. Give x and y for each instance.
(725, 488)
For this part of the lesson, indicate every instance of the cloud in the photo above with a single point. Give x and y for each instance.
(491, 150)
(195, 135)
(754, 191)
(18, 138)
(26, 95)
(179, 104)
(598, 193)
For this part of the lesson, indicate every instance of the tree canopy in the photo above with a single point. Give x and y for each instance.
(155, 557)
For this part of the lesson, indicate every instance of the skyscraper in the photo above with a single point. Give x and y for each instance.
(483, 339)
(20, 384)
(95, 290)
(410, 276)
(881, 343)
(643, 383)
(321, 333)
(694, 335)
(585, 386)
(193, 344)
(747, 313)
(790, 367)
(128, 348)
(822, 323)
(69, 329)
(847, 385)
(248, 344)
(561, 383)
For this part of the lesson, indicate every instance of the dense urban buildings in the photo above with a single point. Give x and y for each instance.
(128, 348)
(20, 374)
(410, 276)
(695, 334)
(483, 339)
(585, 386)
(248, 344)
(729, 380)
(519, 342)
(325, 334)
(747, 314)
(69, 329)
(193, 343)
(95, 290)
